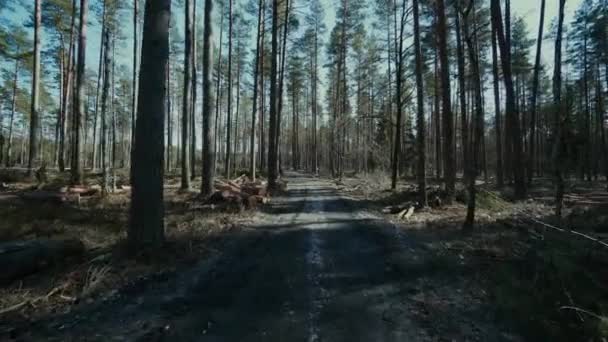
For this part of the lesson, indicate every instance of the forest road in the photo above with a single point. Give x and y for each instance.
(313, 268)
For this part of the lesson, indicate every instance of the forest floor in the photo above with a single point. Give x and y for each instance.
(323, 262)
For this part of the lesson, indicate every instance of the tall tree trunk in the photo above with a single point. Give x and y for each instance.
(448, 122)
(218, 96)
(237, 107)
(105, 185)
(535, 81)
(185, 175)
(254, 108)
(34, 115)
(283, 54)
(601, 120)
(9, 143)
(497, 119)
(399, 100)
(587, 123)
(437, 120)
(194, 96)
(272, 130)
(135, 67)
(169, 156)
(114, 123)
(315, 164)
(558, 148)
(420, 126)
(477, 142)
(464, 126)
(79, 107)
(227, 172)
(146, 228)
(207, 156)
(67, 88)
(514, 134)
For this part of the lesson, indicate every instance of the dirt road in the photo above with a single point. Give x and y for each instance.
(314, 268)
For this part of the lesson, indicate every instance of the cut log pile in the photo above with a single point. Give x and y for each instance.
(240, 192)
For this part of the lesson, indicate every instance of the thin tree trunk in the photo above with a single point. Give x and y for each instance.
(272, 151)
(254, 108)
(185, 175)
(314, 103)
(135, 71)
(471, 167)
(207, 156)
(464, 126)
(399, 100)
(9, 143)
(514, 134)
(218, 88)
(105, 186)
(420, 126)
(77, 172)
(535, 81)
(34, 115)
(497, 120)
(227, 172)
(558, 148)
(437, 119)
(282, 54)
(194, 96)
(448, 122)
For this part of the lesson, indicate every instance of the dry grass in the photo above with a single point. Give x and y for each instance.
(100, 223)
(548, 284)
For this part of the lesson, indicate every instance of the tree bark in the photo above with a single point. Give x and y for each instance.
(34, 115)
(464, 126)
(497, 116)
(146, 227)
(218, 88)
(135, 67)
(420, 125)
(193, 96)
(79, 106)
(477, 141)
(105, 185)
(448, 122)
(185, 174)
(258, 50)
(207, 110)
(399, 99)
(535, 81)
(272, 151)
(514, 136)
(9, 143)
(558, 147)
(227, 172)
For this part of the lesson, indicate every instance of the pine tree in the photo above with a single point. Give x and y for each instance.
(146, 227)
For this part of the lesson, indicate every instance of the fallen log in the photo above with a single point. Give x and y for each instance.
(22, 258)
(406, 213)
(82, 190)
(394, 209)
(50, 196)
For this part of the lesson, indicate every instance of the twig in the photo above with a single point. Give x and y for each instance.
(546, 225)
(573, 308)
(14, 307)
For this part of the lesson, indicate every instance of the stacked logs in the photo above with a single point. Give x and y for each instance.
(241, 192)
